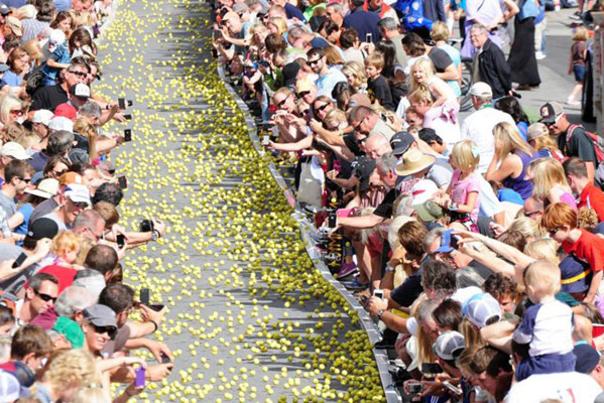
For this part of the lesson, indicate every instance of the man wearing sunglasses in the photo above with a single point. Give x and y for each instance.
(51, 96)
(72, 200)
(40, 294)
(328, 77)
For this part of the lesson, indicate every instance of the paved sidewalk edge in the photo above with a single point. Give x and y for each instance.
(381, 358)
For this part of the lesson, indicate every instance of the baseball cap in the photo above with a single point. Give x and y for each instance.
(4, 10)
(463, 295)
(47, 188)
(15, 25)
(42, 228)
(482, 310)
(401, 142)
(66, 110)
(535, 130)
(550, 112)
(240, 8)
(428, 212)
(100, 315)
(587, 358)
(481, 89)
(363, 167)
(15, 150)
(71, 330)
(42, 116)
(80, 90)
(575, 276)
(449, 345)
(10, 388)
(69, 178)
(77, 193)
(61, 123)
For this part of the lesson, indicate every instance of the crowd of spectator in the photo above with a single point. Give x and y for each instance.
(477, 242)
(68, 324)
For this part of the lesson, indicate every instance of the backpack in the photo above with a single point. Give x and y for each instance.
(34, 79)
(597, 141)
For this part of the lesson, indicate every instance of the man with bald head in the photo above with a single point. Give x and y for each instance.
(376, 145)
(367, 121)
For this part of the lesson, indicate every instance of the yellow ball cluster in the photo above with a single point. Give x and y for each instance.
(250, 319)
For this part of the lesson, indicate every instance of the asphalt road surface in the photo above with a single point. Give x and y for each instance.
(248, 318)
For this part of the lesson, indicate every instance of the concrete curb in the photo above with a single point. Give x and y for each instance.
(381, 358)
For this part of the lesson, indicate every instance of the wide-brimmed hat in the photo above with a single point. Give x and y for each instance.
(414, 161)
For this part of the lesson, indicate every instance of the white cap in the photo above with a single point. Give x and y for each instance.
(77, 193)
(57, 37)
(423, 191)
(482, 310)
(81, 90)
(481, 89)
(47, 188)
(61, 123)
(15, 150)
(42, 116)
(462, 295)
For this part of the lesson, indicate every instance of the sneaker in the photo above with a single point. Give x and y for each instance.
(355, 284)
(540, 55)
(346, 269)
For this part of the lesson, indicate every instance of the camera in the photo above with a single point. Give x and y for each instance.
(124, 103)
(146, 226)
(127, 135)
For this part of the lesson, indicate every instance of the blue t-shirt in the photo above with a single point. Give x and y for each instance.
(522, 128)
(456, 58)
(25, 210)
(60, 55)
(11, 78)
(292, 11)
(62, 5)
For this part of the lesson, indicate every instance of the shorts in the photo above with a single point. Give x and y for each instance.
(545, 364)
(579, 71)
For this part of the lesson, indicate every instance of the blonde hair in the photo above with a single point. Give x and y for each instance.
(85, 246)
(544, 140)
(543, 276)
(439, 32)
(425, 354)
(424, 64)
(280, 23)
(421, 94)
(375, 59)
(8, 103)
(335, 118)
(357, 72)
(70, 368)
(581, 34)
(465, 156)
(65, 243)
(507, 134)
(543, 249)
(92, 393)
(546, 173)
(527, 227)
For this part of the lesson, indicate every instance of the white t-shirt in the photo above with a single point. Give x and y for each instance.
(571, 387)
(478, 127)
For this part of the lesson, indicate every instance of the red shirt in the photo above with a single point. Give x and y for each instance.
(593, 198)
(588, 248)
(63, 274)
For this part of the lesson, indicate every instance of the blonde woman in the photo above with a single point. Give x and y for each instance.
(11, 110)
(511, 160)
(542, 142)
(355, 74)
(277, 25)
(549, 182)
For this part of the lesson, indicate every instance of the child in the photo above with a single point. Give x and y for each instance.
(462, 195)
(546, 326)
(560, 220)
(58, 57)
(422, 74)
(576, 64)
(549, 182)
(377, 85)
(65, 247)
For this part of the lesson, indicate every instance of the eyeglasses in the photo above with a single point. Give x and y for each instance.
(59, 173)
(45, 297)
(78, 73)
(322, 107)
(26, 180)
(110, 330)
(302, 94)
(16, 112)
(313, 62)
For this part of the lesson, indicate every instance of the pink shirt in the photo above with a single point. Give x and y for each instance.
(461, 188)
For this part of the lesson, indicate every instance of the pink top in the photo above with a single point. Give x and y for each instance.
(461, 188)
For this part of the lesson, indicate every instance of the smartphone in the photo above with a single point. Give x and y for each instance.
(121, 240)
(122, 181)
(452, 388)
(139, 381)
(378, 293)
(144, 296)
(127, 135)
(415, 388)
(123, 103)
(128, 116)
(368, 37)
(265, 140)
(19, 261)
(146, 225)
(331, 220)
(431, 369)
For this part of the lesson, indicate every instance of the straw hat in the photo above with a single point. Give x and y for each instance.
(414, 161)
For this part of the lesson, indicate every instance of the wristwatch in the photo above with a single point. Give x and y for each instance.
(155, 235)
(380, 313)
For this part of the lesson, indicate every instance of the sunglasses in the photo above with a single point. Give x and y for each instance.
(80, 205)
(313, 62)
(26, 180)
(322, 107)
(282, 102)
(110, 330)
(302, 94)
(78, 73)
(45, 297)
(16, 112)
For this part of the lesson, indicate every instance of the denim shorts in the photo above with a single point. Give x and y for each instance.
(579, 70)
